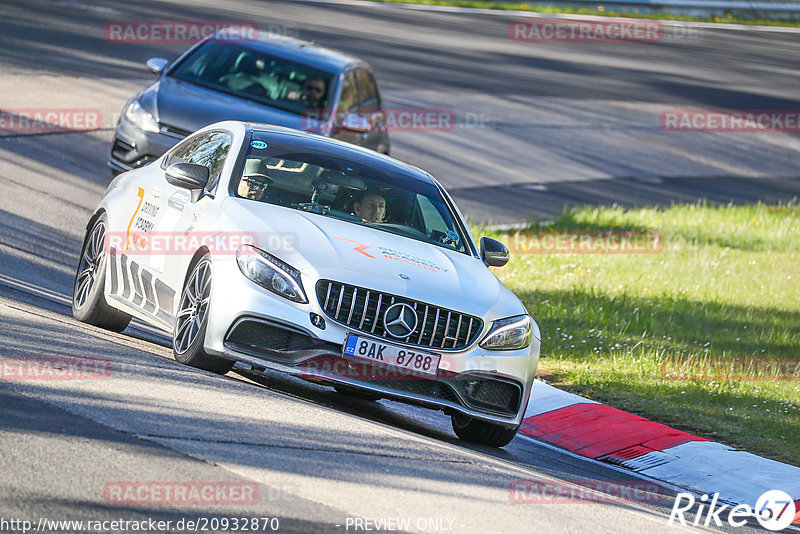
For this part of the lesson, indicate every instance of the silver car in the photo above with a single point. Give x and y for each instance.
(295, 252)
(264, 78)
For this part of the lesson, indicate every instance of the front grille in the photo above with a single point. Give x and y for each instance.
(122, 150)
(126, 153)
(122, 146)
(174, 131)
(362, 309)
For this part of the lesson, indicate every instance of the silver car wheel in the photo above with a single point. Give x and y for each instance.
(89, 266)
(193, 307)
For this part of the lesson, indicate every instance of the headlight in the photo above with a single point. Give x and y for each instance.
(271, 273)
(509, 334)
(137, 115)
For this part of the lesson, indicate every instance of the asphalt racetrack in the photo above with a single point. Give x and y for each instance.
(539, 125)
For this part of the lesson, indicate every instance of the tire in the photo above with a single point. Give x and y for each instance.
(481, 432)
(357, 393)
(88, 299)
(191, 321)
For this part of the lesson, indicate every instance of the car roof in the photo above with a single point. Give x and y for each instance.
(305, 52)
(357, 153)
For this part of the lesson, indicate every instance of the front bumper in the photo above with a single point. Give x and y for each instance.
(134, 148)
(266, 331)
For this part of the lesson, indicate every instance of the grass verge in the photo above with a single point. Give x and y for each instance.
(600, 10)
(636, 331)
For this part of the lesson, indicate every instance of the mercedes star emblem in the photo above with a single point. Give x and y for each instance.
(400, 320)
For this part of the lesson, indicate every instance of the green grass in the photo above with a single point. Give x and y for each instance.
(600, 10)
(725, 285)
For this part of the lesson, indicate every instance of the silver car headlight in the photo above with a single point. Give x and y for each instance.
(509, 334)
(139, 116)
(271, 273)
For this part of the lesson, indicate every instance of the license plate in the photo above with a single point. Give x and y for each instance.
(410, 360)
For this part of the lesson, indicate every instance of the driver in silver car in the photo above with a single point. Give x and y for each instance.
(313, 93)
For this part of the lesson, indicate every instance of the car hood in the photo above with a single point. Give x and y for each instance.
(325, 248)
(191, 107)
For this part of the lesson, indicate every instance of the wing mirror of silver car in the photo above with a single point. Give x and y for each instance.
(189, 176)
(156, 64)
(493, 253)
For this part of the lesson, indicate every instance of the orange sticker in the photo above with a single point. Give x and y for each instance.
(140, 194)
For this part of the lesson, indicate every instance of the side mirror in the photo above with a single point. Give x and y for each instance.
(189, 176)
(355, 123)
(156, 64)
(493, 253)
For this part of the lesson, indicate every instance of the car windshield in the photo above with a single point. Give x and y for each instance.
(347, 190)
(257, 76)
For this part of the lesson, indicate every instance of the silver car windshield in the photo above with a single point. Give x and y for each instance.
(342, 190)
(257, 76)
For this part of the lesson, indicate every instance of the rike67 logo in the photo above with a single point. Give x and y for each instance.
(774, 510)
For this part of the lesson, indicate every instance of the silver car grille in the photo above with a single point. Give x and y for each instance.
(174, 131)
(362, 309)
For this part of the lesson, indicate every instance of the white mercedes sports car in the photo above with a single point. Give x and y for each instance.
(286, 250)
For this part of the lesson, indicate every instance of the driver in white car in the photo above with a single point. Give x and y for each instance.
(254, 182)
(371, 207)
